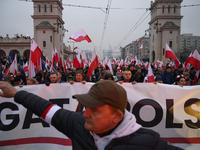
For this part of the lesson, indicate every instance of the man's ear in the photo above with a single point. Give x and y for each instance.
(118, 116)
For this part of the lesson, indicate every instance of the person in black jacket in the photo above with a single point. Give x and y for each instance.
(105, 124)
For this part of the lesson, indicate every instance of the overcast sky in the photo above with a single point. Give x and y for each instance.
(16, 18)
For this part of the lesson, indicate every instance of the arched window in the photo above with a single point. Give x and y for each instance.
(51, 8)
(175, 8)
(39, 8)
(168, 9)
(170, 44)
(45, 8)
(163, 9)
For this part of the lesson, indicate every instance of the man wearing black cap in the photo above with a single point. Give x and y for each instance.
(105, 124)
(167, 75)
(179, 71)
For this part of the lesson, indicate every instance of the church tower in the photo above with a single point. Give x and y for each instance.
(165, 27)
(48, 25)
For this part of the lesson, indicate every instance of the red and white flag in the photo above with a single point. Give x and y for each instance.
(26, 68)
(80, 36)
(121, 63)
(138, 40)
(110, 66)
(93, 65)
(61, 60)
(146, 65)
(186, 64)
(77, 61)
(195, 60)
(196, 78)
(141, 47)
(56, 58)
(170, 54)
(84, 59)
(13, 67)
(132, 56)
(36, 53)
(114, 61)
(150, 76)
(75, 48)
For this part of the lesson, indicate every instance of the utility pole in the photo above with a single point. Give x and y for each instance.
(72, 47)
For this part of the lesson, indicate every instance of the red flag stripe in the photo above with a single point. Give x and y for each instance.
(51, 140)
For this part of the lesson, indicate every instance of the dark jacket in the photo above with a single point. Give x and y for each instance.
(72, 125)
(167, 78)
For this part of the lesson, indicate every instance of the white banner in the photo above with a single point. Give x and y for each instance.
(171, 110)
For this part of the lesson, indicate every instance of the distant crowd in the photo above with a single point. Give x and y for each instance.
(132, 73)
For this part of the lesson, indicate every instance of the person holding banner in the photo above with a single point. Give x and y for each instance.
(180, 80)
(105, 123)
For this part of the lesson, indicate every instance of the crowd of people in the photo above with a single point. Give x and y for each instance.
(131, 73)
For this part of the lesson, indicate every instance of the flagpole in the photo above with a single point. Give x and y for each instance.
(97, 50)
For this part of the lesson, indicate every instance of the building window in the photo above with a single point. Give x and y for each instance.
(153, 38)
(45, 8)
(175, 8)
(170, 44)
(44, 43)
(163, 9)
(168, 9)
(50, 38)
(51, 8)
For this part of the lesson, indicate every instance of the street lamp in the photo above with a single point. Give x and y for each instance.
(73, 46)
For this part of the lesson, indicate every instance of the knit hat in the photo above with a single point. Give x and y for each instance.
(169, 66)
(79, 71)
(104, 92)
(120, 71)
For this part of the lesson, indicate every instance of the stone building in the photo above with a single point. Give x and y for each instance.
(165, 27)
(19, 45)
(48, 32)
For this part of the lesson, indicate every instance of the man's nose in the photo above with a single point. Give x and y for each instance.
(87, 113)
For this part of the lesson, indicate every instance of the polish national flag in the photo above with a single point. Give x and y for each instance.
(36, 53)
(186, 64)
(121, 63)
(110, 66)
(77, 61)
(132, 56)
(195, 60)
(114, 60)
(141, 47)
(13, 67)
(61, 60)
(138, 40)
(146, 65)
(84, 59)
(26, 67)
(56, 58)
(94, 64)
(75, 48)
(170, 54)
(196, 78)
(150, 76)
(80, 36)
(53, 59)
